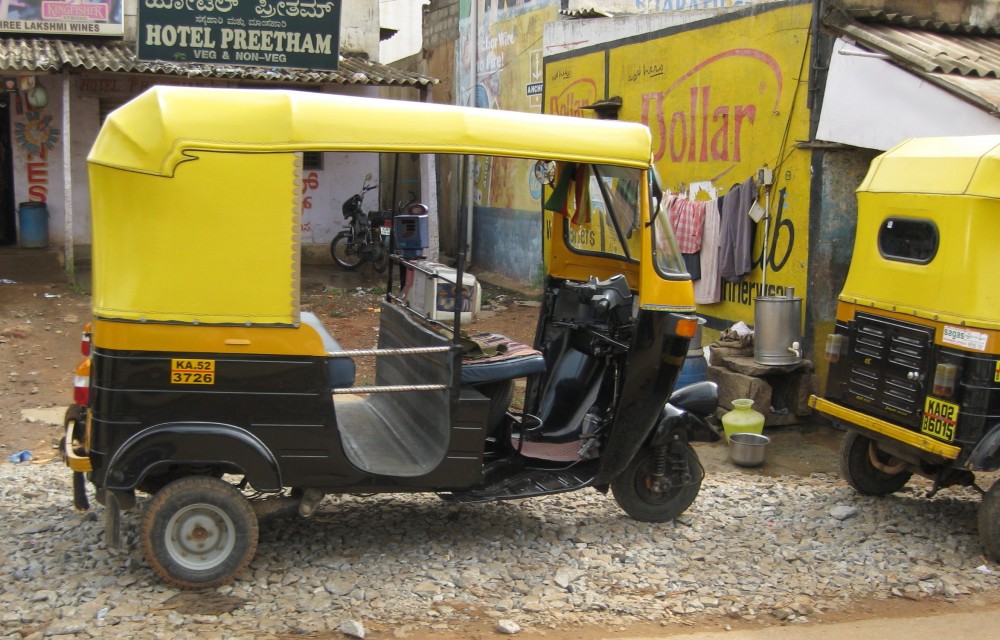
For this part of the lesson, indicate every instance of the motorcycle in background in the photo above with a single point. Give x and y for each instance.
(366, 237)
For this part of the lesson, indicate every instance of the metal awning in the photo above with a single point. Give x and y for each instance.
(962, 60)
(51, 55)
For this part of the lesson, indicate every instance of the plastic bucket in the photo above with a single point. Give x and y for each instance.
(695, 369)
(33, 224)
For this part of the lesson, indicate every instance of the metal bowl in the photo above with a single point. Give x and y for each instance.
(748, 449)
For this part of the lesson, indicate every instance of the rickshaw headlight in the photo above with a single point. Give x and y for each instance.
(944, 379)
(835, 344)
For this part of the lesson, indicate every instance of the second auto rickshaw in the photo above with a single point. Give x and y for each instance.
(915, 358)
(205, 377)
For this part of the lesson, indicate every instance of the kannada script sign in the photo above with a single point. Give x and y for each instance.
(262, 33)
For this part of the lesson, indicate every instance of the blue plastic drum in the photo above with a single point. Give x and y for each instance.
(33, 220)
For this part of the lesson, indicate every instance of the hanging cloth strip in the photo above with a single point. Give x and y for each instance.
(736, 232)
(708, 290)
(576, 176)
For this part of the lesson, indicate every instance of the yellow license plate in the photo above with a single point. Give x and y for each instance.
(940, 419)
(186, 371)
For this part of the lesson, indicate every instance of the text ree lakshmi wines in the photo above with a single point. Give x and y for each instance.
(208, 39)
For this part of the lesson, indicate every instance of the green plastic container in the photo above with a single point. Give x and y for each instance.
(742, 419)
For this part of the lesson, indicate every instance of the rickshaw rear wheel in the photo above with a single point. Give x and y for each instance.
(857, 469)
(199, 532)
(989, 521)
(344, 251)
(636, 494)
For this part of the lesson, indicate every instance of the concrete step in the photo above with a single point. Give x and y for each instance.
(31, 266)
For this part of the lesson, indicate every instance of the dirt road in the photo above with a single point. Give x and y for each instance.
(40, 324)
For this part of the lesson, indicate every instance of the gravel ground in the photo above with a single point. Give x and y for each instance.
(751, 548)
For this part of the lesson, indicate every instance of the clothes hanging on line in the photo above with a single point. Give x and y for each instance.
(708, 287)
(687, 218)
(736, 231)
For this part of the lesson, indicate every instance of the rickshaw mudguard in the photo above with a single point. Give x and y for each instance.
(682, 413)
(986, 454)
(651, 370)
(197, 443)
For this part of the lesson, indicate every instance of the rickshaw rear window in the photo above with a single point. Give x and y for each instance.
(908, 240)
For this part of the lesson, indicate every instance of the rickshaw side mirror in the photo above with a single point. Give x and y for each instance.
(545, 172)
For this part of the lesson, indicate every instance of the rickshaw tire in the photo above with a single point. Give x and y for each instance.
(989, 521)
(630, 489)
(858, 471)
(197, 509)
(351, 262)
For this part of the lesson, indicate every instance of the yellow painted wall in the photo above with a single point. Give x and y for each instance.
(722, 98)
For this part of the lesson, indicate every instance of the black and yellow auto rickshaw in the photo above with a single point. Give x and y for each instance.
(914, 360)
(205, 377)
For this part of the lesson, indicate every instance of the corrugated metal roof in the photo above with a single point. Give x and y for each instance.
(44, 54)
(954, 59)
(579, 14)
(932, 51)
(916, 22)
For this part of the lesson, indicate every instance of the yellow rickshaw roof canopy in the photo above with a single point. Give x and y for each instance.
(156, 131)
(954, 165)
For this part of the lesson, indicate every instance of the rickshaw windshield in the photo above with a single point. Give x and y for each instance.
(666, 254)
(606, 217)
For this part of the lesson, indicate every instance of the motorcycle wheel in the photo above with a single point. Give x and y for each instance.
(634, 493)
(380, 257)
(199, 532)
(345, 251)
(857, 470)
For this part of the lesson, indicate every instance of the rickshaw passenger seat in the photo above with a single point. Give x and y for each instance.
(499, 358)
(341, 369)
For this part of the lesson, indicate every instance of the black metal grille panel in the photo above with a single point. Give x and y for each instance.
(890, 362)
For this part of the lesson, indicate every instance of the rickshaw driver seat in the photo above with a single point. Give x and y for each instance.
(508, 360)
(341, 369)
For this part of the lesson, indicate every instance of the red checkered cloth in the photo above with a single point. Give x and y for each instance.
(687, 218)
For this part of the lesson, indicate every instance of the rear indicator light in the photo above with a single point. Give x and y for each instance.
(85, 341)
(944, 380)
(835, 344)
(81, 384)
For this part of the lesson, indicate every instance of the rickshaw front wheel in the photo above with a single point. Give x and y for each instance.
(989, 521)
(199, 532)
(858, 470)
(637, 493)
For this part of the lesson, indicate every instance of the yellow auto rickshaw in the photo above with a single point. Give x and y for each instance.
(914, 361)
(205, 378)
